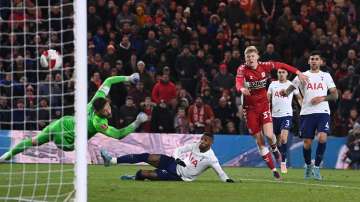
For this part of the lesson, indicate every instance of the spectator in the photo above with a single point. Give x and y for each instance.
(110, 55)
(18, 115)
(5, 115)
(125, 16)
(224, 112)
(94, 84)
(223, 80)
(186, 69)
(127, 112)
(181, 123)
(164, 90)
(147, 106)
(138, 93)
(270, 53)
(162, 119)
(353, 144)
(43, 113)
(200, 116)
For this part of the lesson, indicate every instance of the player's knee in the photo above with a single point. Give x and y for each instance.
(307, 143)
(140, 175)
(322, 137)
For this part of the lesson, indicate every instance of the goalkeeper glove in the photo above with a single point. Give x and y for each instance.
(140, 118)
(134, 78)
(230, 180)
(180, 162)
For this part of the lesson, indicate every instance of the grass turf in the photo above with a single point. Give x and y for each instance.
(256, 185)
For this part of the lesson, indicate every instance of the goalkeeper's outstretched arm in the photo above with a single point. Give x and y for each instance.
(104, 90)
(113, 132)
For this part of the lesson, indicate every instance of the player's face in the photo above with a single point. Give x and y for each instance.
(282, 74)
(315, 61)
(205, 142)
(106, 111)
(251, 59)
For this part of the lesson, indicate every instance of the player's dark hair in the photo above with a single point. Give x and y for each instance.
(315, 52)
(99, 103)
(211, 135)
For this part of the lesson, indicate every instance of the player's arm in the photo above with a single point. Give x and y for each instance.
(183, 149)
(110, 131)
(299, 99)
(104, 89)
(332, 96)
(220, 172)
(289, 68)
(240, 81)
(294, 85)
(269, 93)
(333, 93)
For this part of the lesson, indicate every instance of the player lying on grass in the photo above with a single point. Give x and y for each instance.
(62, 131)
(200, 158)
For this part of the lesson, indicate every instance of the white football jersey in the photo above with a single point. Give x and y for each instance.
(318, 85)
(281, 105)
(197, 162)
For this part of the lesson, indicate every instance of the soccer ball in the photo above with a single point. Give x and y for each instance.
(51, 59)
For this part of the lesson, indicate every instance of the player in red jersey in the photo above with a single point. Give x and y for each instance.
(251, 81)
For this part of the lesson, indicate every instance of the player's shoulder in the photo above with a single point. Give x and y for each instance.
(274, 83)
(241, 67)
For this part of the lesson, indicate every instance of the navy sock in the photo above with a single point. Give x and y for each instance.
(320, 150)
(133, 158)
(139, 176)
(283, 151)
(307, 155)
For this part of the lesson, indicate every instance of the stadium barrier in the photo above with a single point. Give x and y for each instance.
(231, 150)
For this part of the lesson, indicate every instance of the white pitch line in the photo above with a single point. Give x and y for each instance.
(302, 183)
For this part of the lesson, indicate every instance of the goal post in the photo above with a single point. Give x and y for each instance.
(81, 100)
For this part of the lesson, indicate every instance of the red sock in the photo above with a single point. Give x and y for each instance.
(268, 159)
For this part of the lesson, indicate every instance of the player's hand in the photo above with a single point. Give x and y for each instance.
(303, 78)
(317, 100)
(134, 78)
(245, 91)
(180, 162)
(141, 117)
(230, 180)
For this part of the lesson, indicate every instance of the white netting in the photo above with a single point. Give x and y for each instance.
(32, 96)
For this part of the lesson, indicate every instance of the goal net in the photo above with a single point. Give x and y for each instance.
(37, 87)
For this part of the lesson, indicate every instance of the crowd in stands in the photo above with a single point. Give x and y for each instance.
(186, 52)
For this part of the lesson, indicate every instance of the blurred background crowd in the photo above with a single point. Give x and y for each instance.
(186, 52)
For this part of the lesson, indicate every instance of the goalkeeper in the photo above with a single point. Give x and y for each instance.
(62, 131)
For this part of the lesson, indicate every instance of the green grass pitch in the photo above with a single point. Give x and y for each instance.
(256, 185)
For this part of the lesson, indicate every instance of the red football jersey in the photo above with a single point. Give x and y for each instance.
(256, 80)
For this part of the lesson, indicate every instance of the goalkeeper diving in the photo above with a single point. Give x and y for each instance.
(62, 131)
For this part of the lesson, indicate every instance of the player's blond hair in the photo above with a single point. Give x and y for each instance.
(251, 49)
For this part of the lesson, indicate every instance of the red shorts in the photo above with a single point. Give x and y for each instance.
(256, 117)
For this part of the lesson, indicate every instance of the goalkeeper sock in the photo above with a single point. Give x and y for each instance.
(133, 158)
(20, 147)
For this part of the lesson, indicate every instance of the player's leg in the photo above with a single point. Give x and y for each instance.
(266, 154)
(267, 127)
(307, 132)
(285, 128)
(283, 149)
(42, 138)
(157, 174)
(323, 129)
